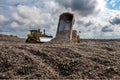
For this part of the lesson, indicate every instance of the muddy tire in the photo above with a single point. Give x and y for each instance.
(27, 40)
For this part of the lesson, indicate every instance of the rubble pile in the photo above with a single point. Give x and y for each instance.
(89, 59)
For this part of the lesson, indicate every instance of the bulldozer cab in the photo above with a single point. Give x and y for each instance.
(34, 32)
(74, 32)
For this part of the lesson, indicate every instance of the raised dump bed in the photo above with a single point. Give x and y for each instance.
(65, 33)
(65, 25)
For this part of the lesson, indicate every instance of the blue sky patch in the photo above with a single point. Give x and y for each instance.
(113, 4)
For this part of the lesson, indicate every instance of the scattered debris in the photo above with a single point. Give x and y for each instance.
(89, 59)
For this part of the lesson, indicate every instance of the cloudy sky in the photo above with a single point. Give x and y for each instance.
(93, 18)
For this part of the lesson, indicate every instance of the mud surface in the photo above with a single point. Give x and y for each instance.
(89, 59)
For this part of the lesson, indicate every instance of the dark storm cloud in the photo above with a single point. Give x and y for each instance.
(115, 20)
(88, 24)
(84, 7)
(79, 22)
(106, 29)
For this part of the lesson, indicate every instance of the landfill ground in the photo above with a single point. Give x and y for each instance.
(89, 59)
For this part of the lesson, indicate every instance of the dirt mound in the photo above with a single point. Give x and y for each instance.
(10, 38)
(89, 59)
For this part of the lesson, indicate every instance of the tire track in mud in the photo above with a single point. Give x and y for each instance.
(67, 63)
(40, 65)
(56, 60)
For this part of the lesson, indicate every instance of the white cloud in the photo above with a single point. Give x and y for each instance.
(30, 16)
(101, 5)
(2, 18)
(14, 24)
(51, 5)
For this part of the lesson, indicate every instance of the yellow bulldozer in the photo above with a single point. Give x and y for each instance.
(75, 36)
(34, 36)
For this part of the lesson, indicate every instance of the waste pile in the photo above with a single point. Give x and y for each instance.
(89, 59)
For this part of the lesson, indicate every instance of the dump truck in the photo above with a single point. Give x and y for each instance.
(65, 28)
(34, 36)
